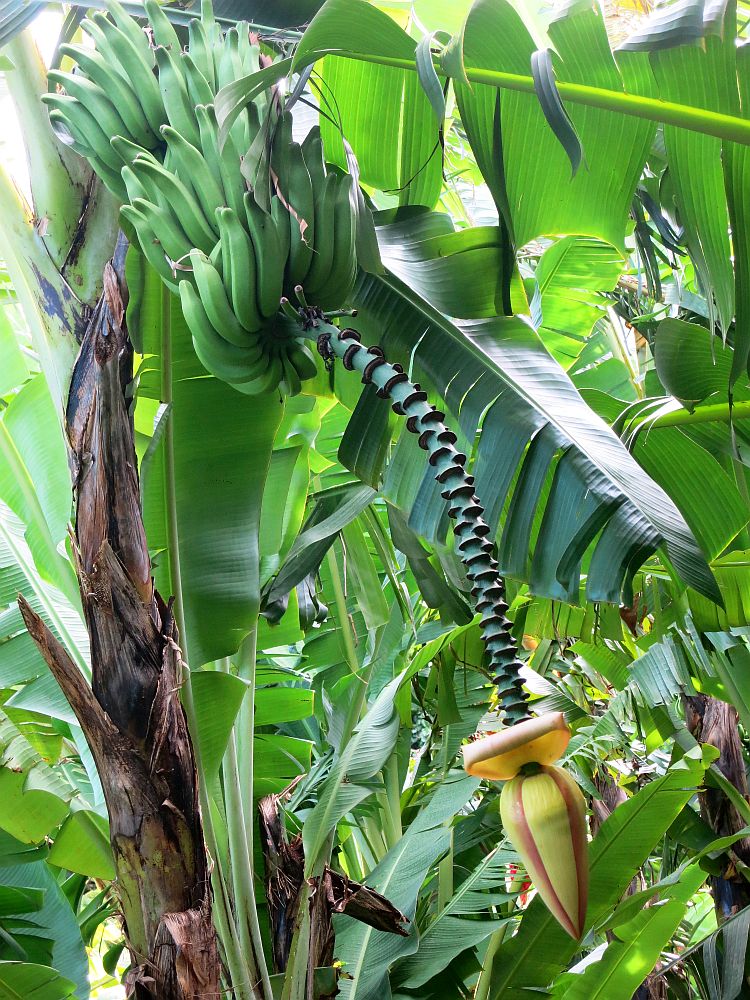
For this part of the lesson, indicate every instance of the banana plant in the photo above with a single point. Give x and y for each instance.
(200, 362)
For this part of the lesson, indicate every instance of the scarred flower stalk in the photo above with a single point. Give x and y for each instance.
(472, 532)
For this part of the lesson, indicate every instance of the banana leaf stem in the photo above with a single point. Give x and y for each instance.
(653, 109)
(470, 530)
(243, 745)
(712, 413)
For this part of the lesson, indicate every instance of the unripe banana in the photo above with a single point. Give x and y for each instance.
(172, 237)
(82, 125)
(291, 383)
(269, 381)
(214, 298)
(161, 26)
(344, 263)
(118, 90)
(201, 51)
(225, 162)
(180, 109)
(227, 362)
(544, 814)
(240, 269)
(150, 246)
(268, 257)
(279, 217)
(322, 262)
(128, 151)
(301, 358)
(181, 201)
(195, 173)
(198, 88)
(301, 204)
(120, 50)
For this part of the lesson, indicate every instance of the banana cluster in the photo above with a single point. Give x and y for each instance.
(141, 110)
(319, 202)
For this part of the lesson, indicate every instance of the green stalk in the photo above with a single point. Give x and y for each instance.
(393, 791)
(242, 746)
(225, 926)
(445, 877)
(482, 989)
(59, 178)
(652, 109)
(712, 413)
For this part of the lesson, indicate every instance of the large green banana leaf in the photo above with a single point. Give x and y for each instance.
(368, 953)
(495, 373)
(203, 475)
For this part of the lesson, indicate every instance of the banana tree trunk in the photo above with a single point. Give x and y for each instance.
(131, 715)
(715, 722)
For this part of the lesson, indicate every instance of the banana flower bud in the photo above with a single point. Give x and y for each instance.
(544, 814)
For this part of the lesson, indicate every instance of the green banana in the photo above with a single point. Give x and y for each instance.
(228, 363)
(302, 358)
(225, 163)
(119, 92)
(181, 201)
(201, 51)
(344, 264)
(133, 185)
(161, 26)
(239, 267)
(211, 28)
(82, 124)
(177, 104)
(93, 98)
(61, 125)
(248, 51)
(129, 26)
(270, 275)
(216, 256)
(193, 170)
(291, 383)
(279, 216)
(322, 262)
(150, 246)
(171, 236)
(216, 303)
(198, 88)
(128, 151)
(301, 203)
(267, 382)
(226, 65)
(120, 50)
(312, 151)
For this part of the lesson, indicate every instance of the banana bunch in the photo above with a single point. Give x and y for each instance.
(318, 202)
(141, 109)
(135, 82)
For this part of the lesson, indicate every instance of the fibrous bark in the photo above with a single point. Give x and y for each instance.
(715, 722)
(131, 715)
(331, 892)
